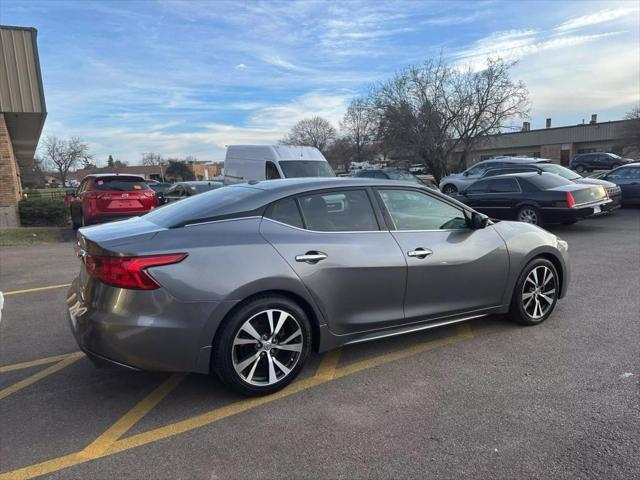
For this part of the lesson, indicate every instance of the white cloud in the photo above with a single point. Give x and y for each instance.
(596, 18)
(240, 66)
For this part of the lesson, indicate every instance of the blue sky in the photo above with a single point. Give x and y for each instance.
(189, 77)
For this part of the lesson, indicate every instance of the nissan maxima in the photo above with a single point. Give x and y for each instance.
(244, 281)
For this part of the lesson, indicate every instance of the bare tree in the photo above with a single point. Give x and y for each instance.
(433, 110)
(61, 155)
(631, 133)
(633, 114)
(359, 127)
(153, 159)
(313, 132)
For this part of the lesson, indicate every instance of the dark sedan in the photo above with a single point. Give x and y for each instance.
(613, 190)
(628, 179)
(182, 190)
(534, 197)
(394, 174)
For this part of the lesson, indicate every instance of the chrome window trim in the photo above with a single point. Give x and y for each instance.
(318, 231)
(220, 221)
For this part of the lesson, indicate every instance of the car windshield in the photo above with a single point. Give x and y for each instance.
(478, 168)
(122, 184)
(614, 155)
(221, 201)
(562, 171)
(404, 176)
(306, 168)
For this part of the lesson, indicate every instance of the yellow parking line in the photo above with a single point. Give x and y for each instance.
(133, 416)
(325, 374)
(38, 289)
(40, 361)
(38, 376)
(327, 368)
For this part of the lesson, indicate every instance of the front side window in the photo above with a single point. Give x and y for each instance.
(306, 168)
(339, 211)
(271, 172)
(481, 186)
(627, 172)
(412, 210)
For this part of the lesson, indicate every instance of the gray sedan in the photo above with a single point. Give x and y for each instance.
(246, 280)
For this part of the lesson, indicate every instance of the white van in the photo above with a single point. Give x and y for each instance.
(244, 163)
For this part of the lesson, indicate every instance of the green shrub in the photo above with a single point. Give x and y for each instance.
(43, 212)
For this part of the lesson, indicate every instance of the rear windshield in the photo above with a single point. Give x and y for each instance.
(121, 184)
(207, 206)
(404, 176)
(546, 181)
(306, 168)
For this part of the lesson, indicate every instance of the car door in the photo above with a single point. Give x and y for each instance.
(452, 269)
(352, 267)
(475, 195)
(501, 197)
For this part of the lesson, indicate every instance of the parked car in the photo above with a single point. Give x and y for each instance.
(160, 188)
(245, 280)
(628, 179)
(459, 181)
(597, 161)
(393, 174)
(613, 190)
(182, 190)
(244, 163)
(534, 197)
(110, 196)
(418, 169)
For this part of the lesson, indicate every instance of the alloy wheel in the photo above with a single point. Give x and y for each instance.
(267, 347)
(528, 215)
(449, 189)
(539, 292)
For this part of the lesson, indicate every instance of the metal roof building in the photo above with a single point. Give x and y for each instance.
(22, 112)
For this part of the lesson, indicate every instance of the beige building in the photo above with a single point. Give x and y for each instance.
(202, 171)
(22, 113)
(559, 144)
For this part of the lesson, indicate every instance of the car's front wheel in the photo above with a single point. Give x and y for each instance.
(536, 293)
(579, 169)
(262, 346)
(449, 189)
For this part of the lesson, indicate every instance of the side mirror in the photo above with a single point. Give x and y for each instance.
(479, 221)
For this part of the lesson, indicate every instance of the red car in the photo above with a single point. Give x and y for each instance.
(108, 196)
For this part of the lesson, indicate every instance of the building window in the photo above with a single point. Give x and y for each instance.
(536, 155)
(586, 150)
(485, 157)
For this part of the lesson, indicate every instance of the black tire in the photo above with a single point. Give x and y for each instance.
(580, 169)
(449, 189)
(518, 312)
(529, 214)
(223, 356)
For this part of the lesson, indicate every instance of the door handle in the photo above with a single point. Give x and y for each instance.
(420, 253)
(311, 257)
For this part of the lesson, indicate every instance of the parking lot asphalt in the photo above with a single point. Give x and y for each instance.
(483, 399)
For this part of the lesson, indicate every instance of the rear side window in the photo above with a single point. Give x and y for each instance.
(286, 211)
(120, 184)
(339, 211)
(504, 185)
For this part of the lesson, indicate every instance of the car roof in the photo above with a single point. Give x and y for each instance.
(297, 185)
(519, 175)
(516, 160)
(97, 175)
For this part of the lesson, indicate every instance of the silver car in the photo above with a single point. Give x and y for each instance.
(246, 280)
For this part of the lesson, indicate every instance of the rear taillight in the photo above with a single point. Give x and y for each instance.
(570, 200)
(129, 272)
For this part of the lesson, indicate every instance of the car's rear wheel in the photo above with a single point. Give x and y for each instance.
(262, 346)
(536, 293)
(579, 169)
(529, 214)
(449, 189)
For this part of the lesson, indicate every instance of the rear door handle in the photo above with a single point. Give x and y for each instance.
(420, 253)
(311, 257)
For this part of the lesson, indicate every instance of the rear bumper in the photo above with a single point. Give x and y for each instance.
(143, 330)
(560, 215)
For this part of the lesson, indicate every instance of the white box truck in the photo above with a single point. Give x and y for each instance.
(244, 163)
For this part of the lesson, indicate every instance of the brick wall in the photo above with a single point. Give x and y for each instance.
(10, 188)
